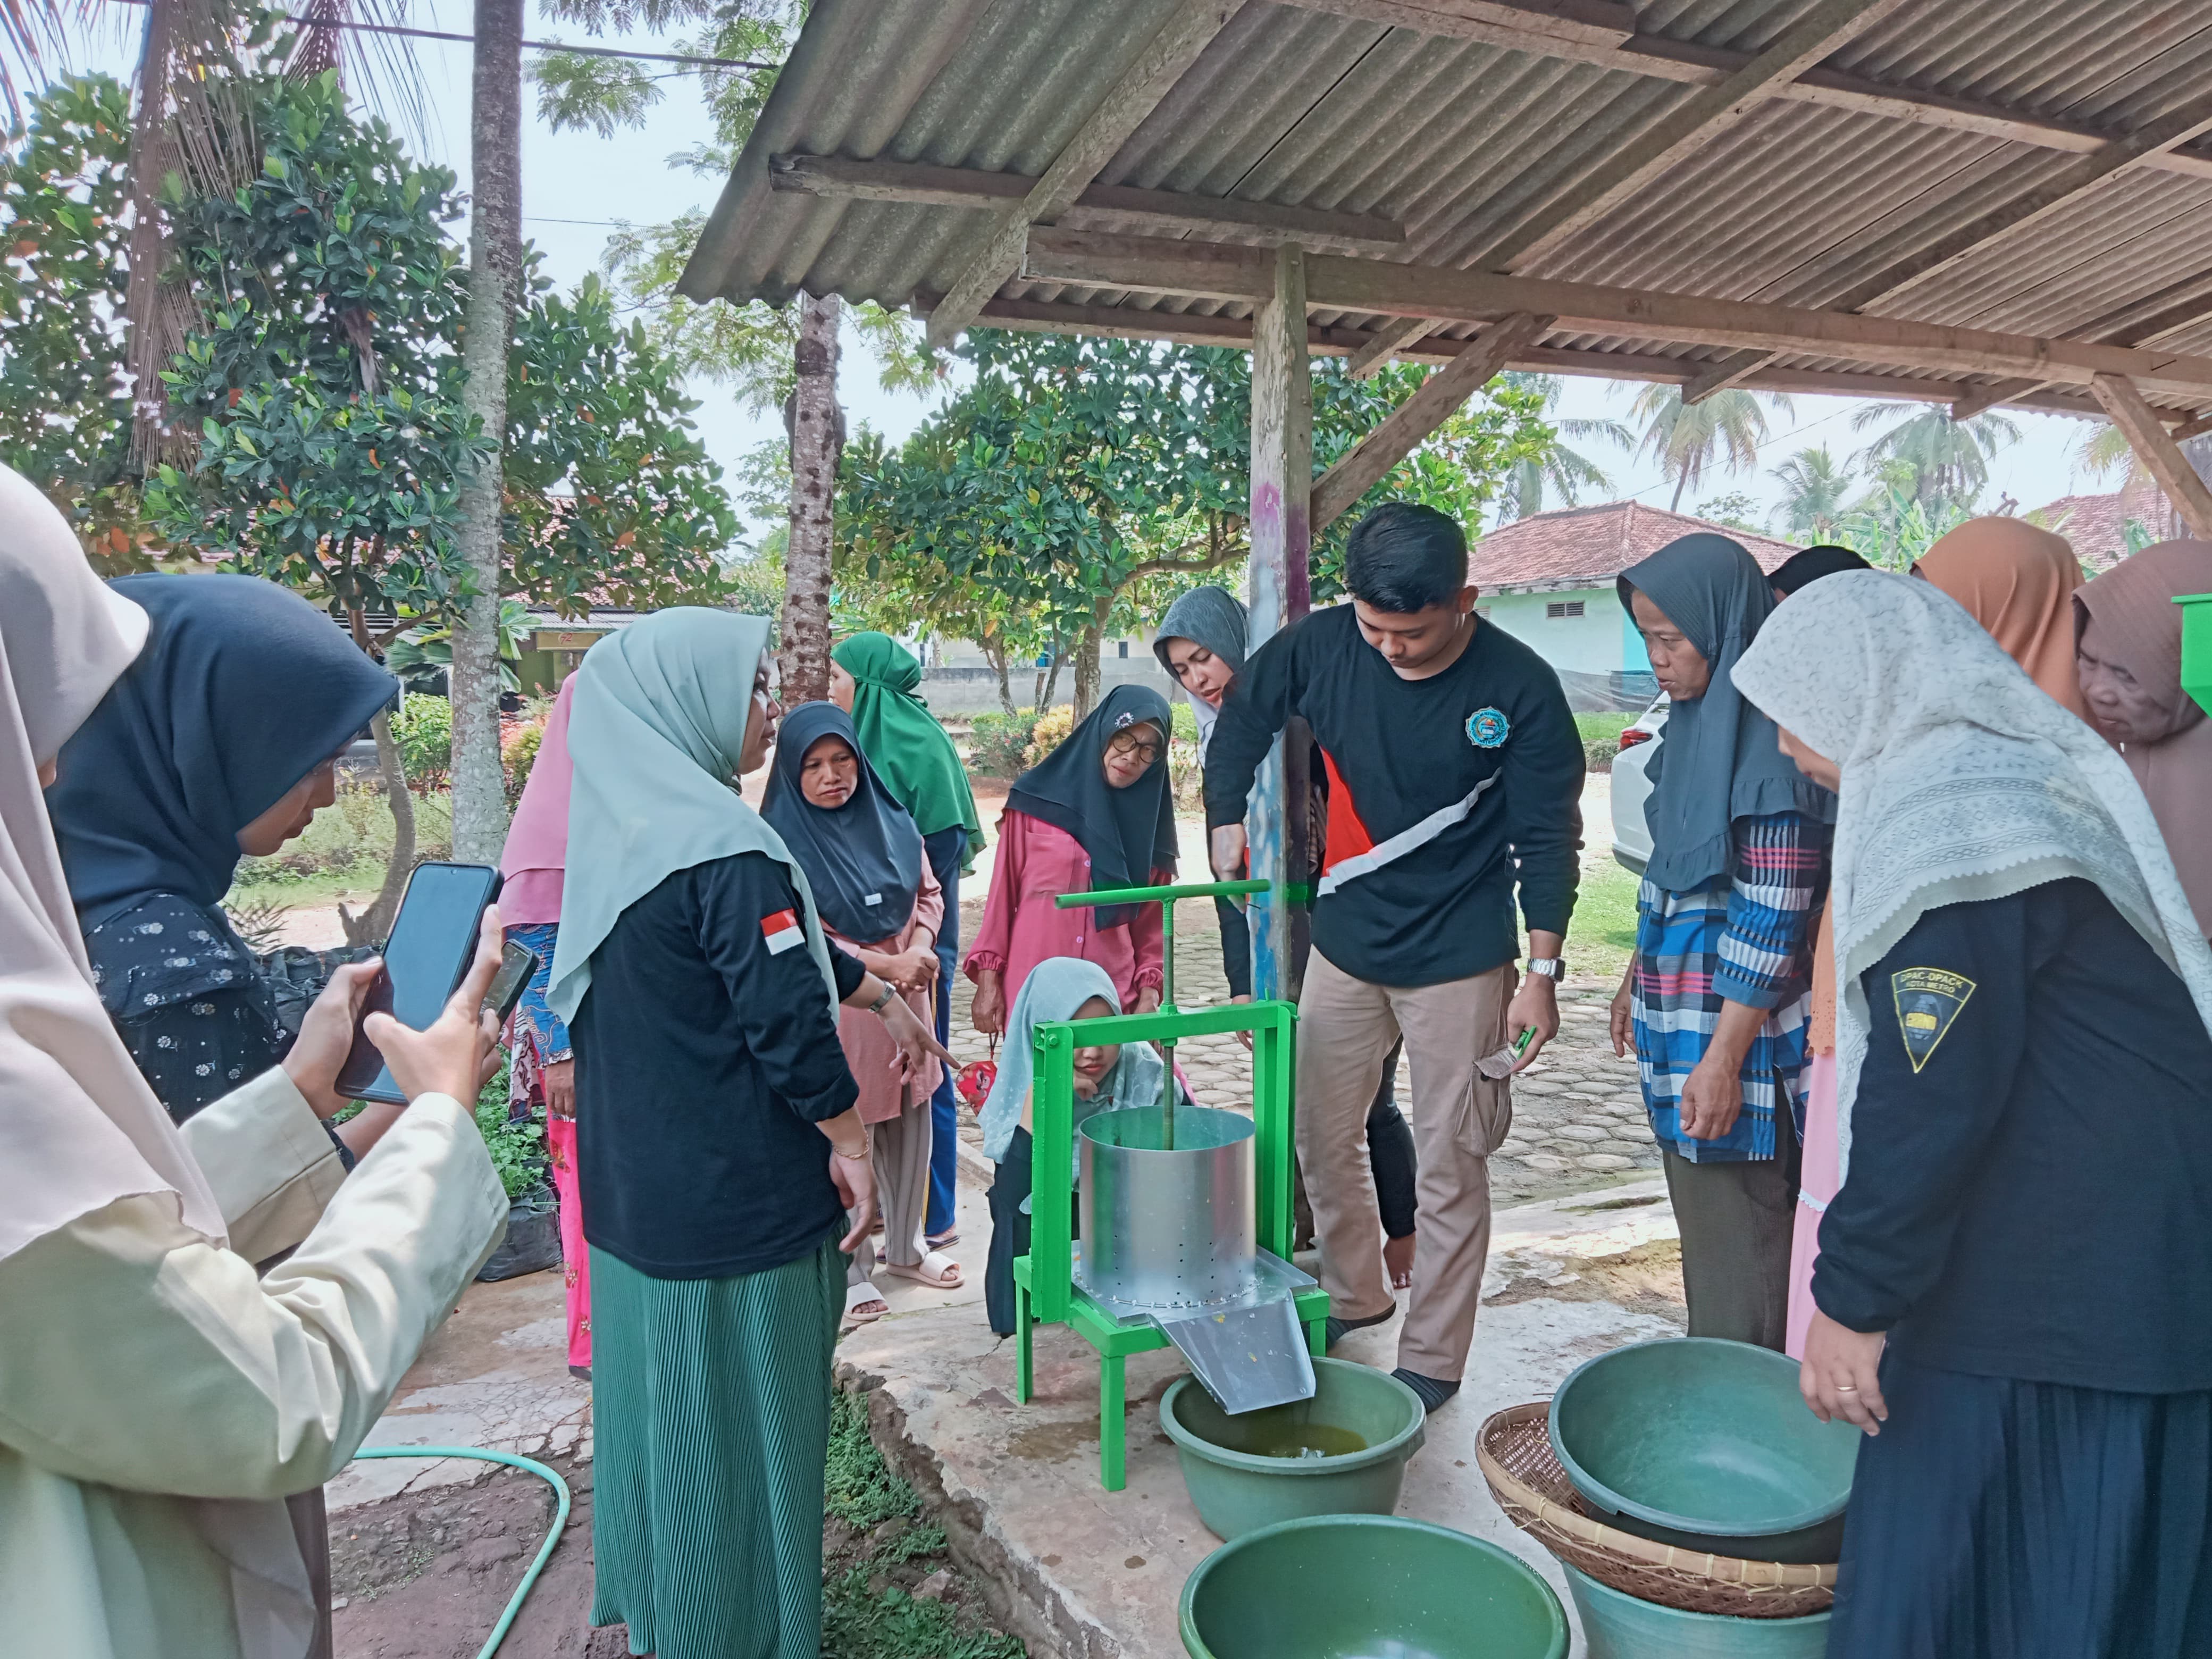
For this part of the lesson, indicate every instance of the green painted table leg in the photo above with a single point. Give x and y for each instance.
(1317, 1337)
(1024, 1353)
(1113, 1389)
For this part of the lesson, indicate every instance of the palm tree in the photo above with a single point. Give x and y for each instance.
(1814, 483)
(2104, 447)
(1949, 459)
(1688, 438)
(1560, 472)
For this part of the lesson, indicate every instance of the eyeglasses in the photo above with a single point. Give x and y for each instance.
(1127, 744)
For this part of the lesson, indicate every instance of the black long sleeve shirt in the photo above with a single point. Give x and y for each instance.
(704, 1058)
(1398, 750)
(2031, 1152)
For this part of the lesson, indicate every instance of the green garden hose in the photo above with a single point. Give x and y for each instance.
(560, 1518)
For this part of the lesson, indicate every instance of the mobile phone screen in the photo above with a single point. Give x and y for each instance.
(433, 941)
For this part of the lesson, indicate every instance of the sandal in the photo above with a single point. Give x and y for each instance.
(939, 1241)
(858, 1300)
(937, 1270)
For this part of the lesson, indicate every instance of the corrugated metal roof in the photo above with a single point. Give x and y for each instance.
(1458, 139)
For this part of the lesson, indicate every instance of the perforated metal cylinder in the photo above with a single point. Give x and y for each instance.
(1166, 1229)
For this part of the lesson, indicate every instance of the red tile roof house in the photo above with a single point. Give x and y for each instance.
(1549, 579)
(2098, 524)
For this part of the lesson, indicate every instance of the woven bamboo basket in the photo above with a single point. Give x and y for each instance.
(1514, 1451)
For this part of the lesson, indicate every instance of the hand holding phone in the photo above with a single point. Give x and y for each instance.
(458, 1052)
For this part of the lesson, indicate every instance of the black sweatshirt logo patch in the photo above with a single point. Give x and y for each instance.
(1928, 1000)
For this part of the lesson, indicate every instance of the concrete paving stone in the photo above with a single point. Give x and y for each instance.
(1589, 1132)
(1605, 1162)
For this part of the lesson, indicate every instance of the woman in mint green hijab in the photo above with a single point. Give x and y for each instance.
(874, 677)
(701, 1001)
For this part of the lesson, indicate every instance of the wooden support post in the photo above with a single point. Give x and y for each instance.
(1404, 429)
(2147, 436)
(1282, 540)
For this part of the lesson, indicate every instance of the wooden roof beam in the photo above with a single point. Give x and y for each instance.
(2156, 447)
(1391, 339)
(1189, 29)
(1532, 28)
(1980, 399)
(1214, 271)
(1101, 207)
(1691, 123)
(1938, 253)
(1363, 466)
(1724, 374)
(2188, 429)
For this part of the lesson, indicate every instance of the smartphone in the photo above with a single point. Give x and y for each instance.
(433, 941)
(516, 965)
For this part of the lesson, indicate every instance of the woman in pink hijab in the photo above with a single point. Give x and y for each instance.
(543, 1070)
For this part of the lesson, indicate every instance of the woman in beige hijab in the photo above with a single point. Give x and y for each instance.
(158, 1402)
(2129, 647)
(2018, 582)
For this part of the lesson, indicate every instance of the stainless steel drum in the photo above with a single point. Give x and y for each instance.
(1167, 1230)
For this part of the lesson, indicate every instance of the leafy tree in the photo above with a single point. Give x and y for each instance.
(1813, 485)
(1564, 474)
(1733, 510)
(1686, 439)
(1892, 525)
(1080, 479)
(1945, 462)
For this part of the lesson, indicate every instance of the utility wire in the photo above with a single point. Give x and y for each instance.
(532, 46)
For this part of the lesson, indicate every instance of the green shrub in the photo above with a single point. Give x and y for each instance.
(424, 729)
(997, 741)
(1601, 735)
(1050, 731)
(518, 755)
(517, 1147)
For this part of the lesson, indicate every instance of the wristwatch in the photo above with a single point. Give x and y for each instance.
(883, 1001)
(1552, 967)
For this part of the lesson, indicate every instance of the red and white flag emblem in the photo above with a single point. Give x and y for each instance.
(782, 932)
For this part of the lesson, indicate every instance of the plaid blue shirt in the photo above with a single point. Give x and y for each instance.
(1747, 940)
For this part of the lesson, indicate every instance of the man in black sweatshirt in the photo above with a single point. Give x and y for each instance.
(1455, 774)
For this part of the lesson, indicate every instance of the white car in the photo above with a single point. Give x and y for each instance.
(1631, 785)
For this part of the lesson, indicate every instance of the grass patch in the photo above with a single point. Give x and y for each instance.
(345, 848)
(877, 1551)
(1602, 935)
(1601, 735)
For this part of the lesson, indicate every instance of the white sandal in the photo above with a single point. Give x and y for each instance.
(936, 1269)
(857, 1298)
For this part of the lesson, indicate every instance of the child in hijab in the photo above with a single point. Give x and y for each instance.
(2018, 582)
(874, 677)
(159, 1398)
(1093, 814)
(2015, 1287)
(1200, 642)
(1107, 1077)
(1714, 1001)
(2129, 654)
(542, 1071)
(881, 902)
(220, 741)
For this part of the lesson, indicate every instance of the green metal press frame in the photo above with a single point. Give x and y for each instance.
(1045, 1291)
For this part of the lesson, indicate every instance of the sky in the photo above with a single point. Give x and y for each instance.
(577, 185)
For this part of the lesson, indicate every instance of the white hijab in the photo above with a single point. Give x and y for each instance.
(1962, 780)
(79, 1128)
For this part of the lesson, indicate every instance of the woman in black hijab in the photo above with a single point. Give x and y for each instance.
(1094, 814)
(218, 743)
(880, 902)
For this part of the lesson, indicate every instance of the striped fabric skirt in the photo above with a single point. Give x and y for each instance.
(710, 1412)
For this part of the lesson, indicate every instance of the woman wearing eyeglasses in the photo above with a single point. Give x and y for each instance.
(1094, 814)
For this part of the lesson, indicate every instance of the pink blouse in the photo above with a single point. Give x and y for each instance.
(1036, 862)
(885, 1090)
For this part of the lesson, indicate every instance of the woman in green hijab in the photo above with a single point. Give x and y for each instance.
(701, 1001)
(874, 677)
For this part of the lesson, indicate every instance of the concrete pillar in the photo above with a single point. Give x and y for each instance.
(1282, 543)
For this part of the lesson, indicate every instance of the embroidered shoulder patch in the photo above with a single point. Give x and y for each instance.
(1487, 728)
(782, 932)
(1928, 1000)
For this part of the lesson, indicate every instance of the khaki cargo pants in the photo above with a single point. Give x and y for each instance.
(1345, 1029)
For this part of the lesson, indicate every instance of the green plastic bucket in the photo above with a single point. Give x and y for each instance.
(1237, 1490)
(1709, 1445)
(1616, 1625)
(1368, 1587)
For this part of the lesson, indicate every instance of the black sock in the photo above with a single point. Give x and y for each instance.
(1337, 1328)
(1433, 1390)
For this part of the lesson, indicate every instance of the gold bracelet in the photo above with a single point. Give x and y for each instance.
(867, 1146)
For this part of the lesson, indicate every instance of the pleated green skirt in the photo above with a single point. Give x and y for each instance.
(710, 1420)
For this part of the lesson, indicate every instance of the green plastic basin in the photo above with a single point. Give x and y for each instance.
(1237, 1490)
(1368, 1587)
(1707, 1445)
(1619, 1626)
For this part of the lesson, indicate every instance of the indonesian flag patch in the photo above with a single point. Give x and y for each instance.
(782, 932)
